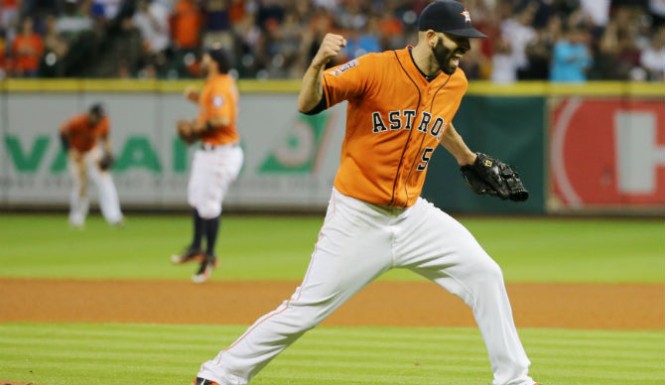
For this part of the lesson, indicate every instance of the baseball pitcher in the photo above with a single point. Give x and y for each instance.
(401, 105)
(85, 138)
(217, 161)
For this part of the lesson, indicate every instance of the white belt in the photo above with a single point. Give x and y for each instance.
(211, 147)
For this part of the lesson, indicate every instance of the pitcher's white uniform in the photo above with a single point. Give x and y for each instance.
(376, 220)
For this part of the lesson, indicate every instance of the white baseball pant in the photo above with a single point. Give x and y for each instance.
(357, 243)
(213, 171)
(108, 195)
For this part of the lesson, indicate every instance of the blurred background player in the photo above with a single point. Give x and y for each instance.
(218, 160)
(85, 138)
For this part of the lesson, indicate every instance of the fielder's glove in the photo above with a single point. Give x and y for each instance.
(185, 131)
(493, 177)
(107, 161)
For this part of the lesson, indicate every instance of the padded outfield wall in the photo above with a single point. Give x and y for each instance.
(598, 147)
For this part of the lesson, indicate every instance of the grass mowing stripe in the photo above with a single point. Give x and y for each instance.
(372, 356)
(531, 249)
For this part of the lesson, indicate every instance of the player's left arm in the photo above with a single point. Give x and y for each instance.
(104, 135)
(453, 142)
(484, 174)
(107, 160)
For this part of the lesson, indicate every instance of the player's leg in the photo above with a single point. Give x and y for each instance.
(78, 199)
(109, 202)
(197, 236)
(353, 249)
(221, 169)
(438, 247)
(211, 230)
(197, 179)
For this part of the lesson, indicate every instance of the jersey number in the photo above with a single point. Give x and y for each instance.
(424, 160)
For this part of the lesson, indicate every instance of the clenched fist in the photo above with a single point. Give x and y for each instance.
(330, 47)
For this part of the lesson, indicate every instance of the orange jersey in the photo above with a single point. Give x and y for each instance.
(186, 24)
(219, 98)
(83, 136)
(395, 121)
(33, 48)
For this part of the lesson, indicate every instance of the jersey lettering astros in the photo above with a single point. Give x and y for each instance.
(82, 135)
(219, 98)
(395, 120)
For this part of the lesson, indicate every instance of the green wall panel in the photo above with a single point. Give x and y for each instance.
(508, 128)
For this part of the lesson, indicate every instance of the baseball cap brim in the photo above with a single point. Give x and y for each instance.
(466, 32)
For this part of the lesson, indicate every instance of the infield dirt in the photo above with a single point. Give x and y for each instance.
(383, 303)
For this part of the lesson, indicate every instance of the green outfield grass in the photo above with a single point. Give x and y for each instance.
(111, 354)
(279, 248)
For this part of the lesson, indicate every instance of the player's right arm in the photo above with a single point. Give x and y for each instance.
(64, 135)
(311, 91)
(192, 94)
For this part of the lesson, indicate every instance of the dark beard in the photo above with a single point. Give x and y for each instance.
(443, 54)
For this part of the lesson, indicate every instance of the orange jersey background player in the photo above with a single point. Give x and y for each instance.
(217, 161)
(85, 137)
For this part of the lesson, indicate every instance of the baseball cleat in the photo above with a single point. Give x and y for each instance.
(205, 269)
(203, 381)
(190, 255)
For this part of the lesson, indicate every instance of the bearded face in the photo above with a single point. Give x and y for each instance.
(448, 55)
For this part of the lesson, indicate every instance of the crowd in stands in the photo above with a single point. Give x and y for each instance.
(559, 40)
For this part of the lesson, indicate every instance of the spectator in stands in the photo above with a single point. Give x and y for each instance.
(238, 11)
(3, 59)
(9, 17)
(652, 58)
(571, 57)
(217, 24)
(75, 26)
(539, 51)
(55, 50)
(321, 23)
(276, 38)
(391, 29)
(186, 22)
(106, 10)
(656, 10)
(27, 50)
(618, 56)
(519, 32)
(73, 21)
(598, 11)
(152, 21)
(363, 40)
(504, 63)
(285, 40)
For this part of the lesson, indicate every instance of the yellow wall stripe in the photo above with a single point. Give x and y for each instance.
(292, 86)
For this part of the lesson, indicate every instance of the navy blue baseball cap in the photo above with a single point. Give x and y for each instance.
(97, 109)
(450, 17)
(220, 56)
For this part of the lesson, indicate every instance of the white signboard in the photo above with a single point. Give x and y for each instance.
(290, 158)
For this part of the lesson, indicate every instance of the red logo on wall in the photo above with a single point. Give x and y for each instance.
(607, 153)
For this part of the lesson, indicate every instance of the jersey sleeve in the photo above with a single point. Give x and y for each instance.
(65, 127)
(221, 101)
(349, 80)
(104, 127)
(70, 125)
